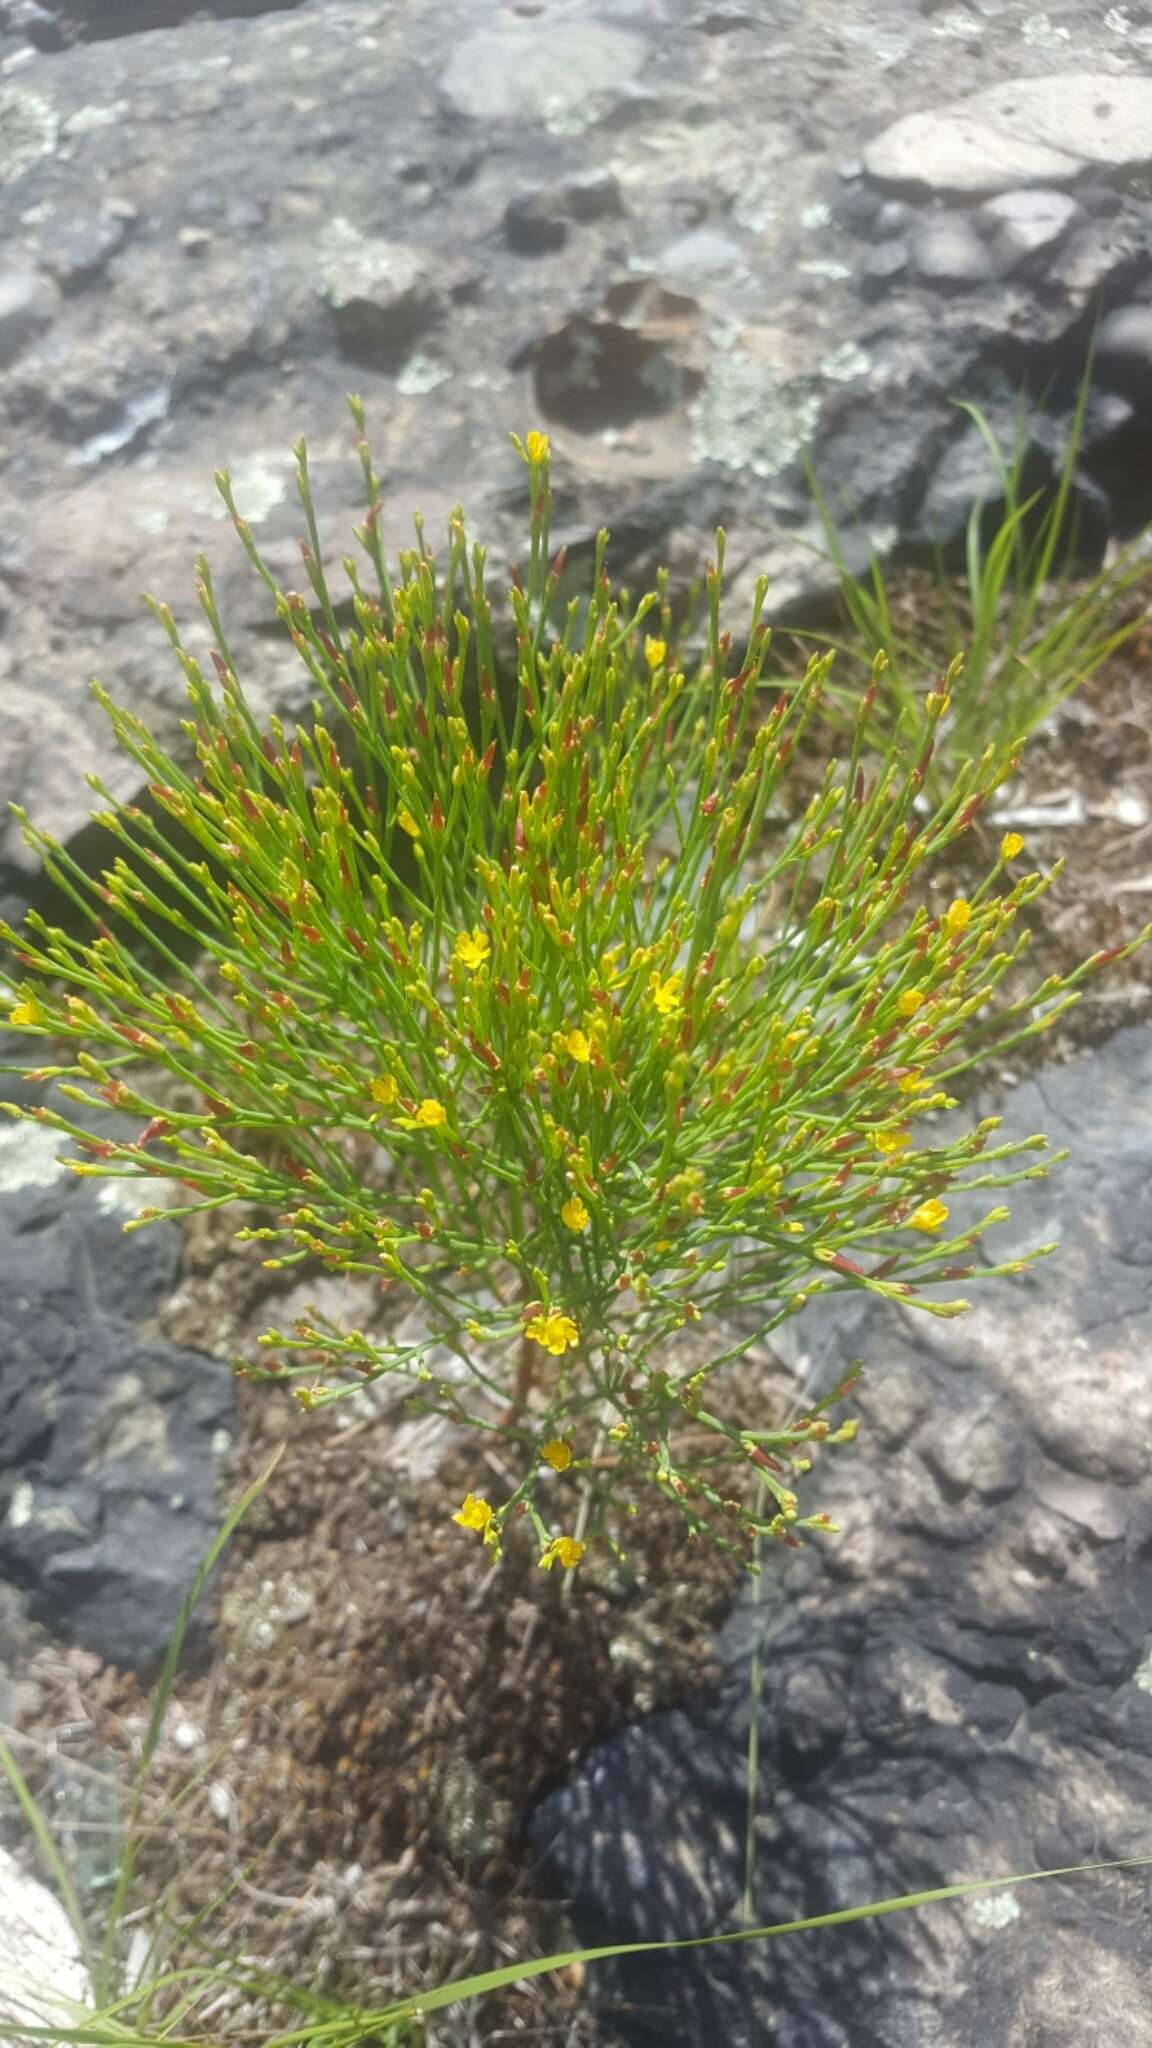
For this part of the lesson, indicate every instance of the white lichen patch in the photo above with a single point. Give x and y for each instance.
(29, 1157)
(993, 1913)
(752, 415)
(29, 130)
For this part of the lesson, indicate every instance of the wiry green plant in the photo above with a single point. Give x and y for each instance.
(552, 1001)
(1032, 629)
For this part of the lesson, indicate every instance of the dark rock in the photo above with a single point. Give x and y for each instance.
(956, 1686)
(381, 296)
(27, 306)
(537, 223)
(113, 1436)
(892, 217)
(532, 226)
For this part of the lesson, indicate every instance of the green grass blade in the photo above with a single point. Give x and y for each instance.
(50, 1855)
(166, 1681)
(513, 1973)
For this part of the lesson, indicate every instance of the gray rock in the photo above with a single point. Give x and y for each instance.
(703, 251)
(381, 296)
(948, 251)
(1023, 223)
(113, 1436)
(532, 70)
(1028, 131)
(27, 306)
(76, 248)
(882, 265)
(1124, 343)
(243, 291)
(958, 1685)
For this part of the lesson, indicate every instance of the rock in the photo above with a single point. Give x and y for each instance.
(381, 297)
(42, 1975)
(27, 306)
(538, 223)
(113, 1436)
(959, 1685)
(948, 251)
(1028, 131)
(1124, 344)
(76, 248)
(702, 251)
(535, 70)
(703, 328)
(882, 265)
(1023, 223)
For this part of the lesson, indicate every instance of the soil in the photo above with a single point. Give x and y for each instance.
(382, 1710)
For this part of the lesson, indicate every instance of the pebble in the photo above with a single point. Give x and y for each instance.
(949, 251)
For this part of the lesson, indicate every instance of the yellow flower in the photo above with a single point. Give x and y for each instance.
(556, 1332)
(910, 1001)
(557, 1452)
(667, 995)
(406, 819)
(472, 949)
(538, 445)
(956, 917)
(26, 1013)
(476, 1513)
(655, 651)
(912, 1081)
(563, 1550)
(578, 1046)
(308, 1397)
(889, 1143)
(929, 1216)
(1011, 844)
(574, 1214)
(431, 1114)
(383, 1090)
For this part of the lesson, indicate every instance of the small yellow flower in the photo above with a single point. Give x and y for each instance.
(667, 995)
(890, 1143)
(574, 1215)
(563, 1550)
(472, 949)
(912, 1082)
(476, 1513)
(655, 652)
(1011, 844)
(26, 1013)
(556, 1332)
(578, 1046)
(929, 1216)
(308, 1397)
(538, 445)
(557, 1452)
(431, 1114)
(383, 1090)
(957, 916)
(910, 1001)
(409, 824)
